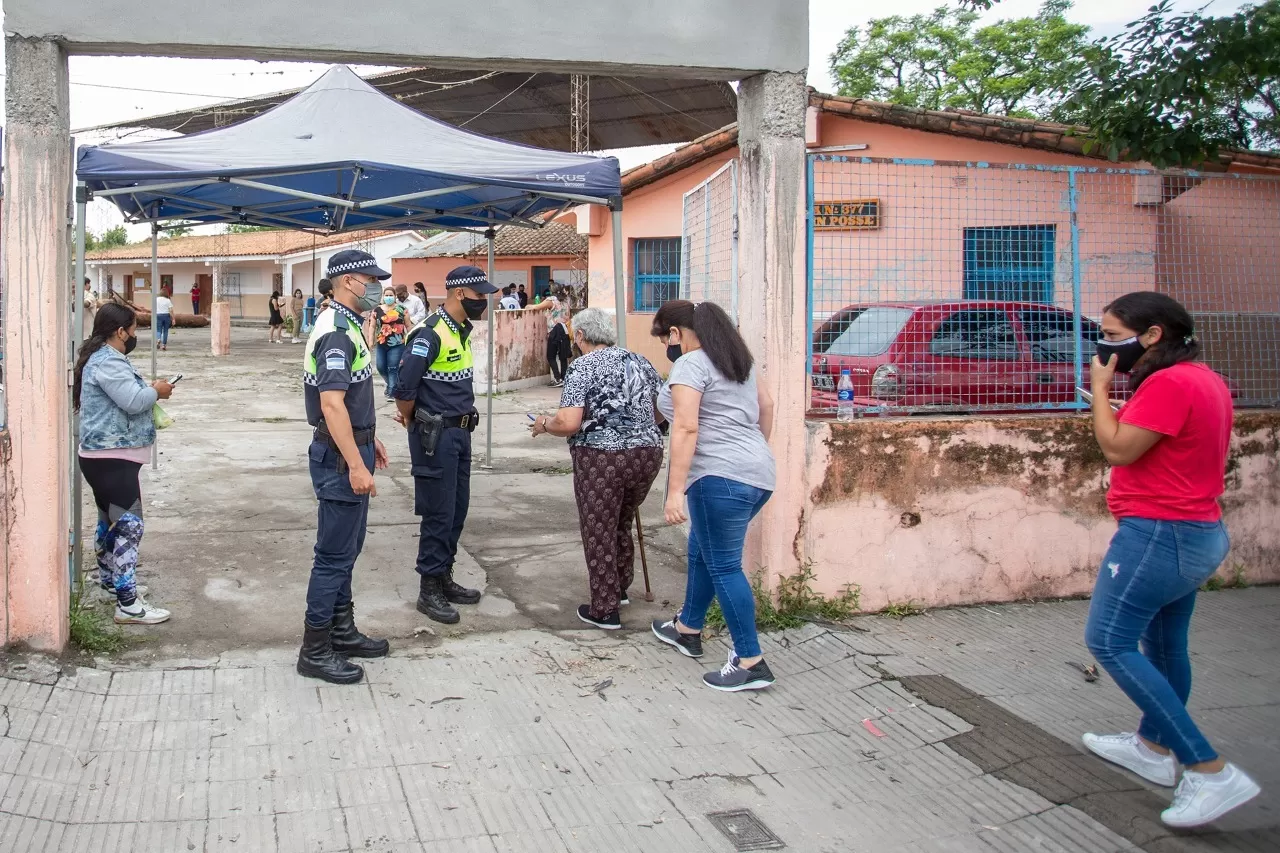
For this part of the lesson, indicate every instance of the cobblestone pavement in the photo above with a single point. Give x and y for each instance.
(533, 741)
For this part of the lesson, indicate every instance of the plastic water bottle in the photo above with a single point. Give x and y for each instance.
(844, 397)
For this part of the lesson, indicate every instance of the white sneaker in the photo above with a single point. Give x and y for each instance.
(1128, 750)
(141, 613)
(1204, 797)
(108, 594)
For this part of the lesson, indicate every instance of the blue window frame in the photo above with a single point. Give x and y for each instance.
(1010, 263)
(655, 272)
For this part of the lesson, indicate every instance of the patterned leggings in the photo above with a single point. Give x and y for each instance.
(610, 485)
(118, 494)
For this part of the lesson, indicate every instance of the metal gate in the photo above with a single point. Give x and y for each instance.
(709, 241)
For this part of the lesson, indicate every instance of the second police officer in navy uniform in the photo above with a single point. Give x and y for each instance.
(436, 400)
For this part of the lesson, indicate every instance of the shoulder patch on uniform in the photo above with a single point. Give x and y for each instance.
(420, 347)
(335, 359)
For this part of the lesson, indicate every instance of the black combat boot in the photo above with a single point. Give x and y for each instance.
(347, 639)
(456, 593)
(432, 602)
(317, 659)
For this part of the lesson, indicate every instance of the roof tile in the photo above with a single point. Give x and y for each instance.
(264, 243)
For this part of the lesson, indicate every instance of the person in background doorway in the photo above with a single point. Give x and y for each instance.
(389, 318)
(436, 401)
(415, 308)
(523, 296)
(557, 307)
(607, 412)
(117, 431)
(1168, 447)
(509, 302)
(296, 306)
(195, 298)
(420, 291)
(164, 318)
(275, 318)
(721, 418)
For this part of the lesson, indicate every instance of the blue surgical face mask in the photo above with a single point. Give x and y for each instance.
(388, 300)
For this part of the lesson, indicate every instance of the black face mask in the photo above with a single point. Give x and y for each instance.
(674, 352)
(1127, 353)
(475, 308)
(130, 344)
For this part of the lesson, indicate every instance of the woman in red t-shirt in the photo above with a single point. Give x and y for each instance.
(1168, 448)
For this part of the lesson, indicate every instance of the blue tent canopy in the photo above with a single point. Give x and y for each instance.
(342, 156)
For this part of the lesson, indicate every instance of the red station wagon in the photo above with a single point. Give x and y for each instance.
(959, 355)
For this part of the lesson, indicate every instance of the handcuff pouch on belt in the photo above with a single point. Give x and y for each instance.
(361, 437)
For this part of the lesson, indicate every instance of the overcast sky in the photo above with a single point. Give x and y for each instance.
(106, 90)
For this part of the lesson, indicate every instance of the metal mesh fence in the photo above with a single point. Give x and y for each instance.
(709, 244)
(978, 287)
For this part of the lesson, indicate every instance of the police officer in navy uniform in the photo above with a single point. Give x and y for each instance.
(338, 390)
(436, 399)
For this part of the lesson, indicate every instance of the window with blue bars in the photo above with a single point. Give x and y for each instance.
(655, 272)
(1009, 263)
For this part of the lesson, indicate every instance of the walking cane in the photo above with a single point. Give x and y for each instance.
(644, 561)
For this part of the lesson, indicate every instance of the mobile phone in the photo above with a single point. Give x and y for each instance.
(175, 380)
(531, 416)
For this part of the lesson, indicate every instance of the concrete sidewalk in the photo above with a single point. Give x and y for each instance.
(935, 733)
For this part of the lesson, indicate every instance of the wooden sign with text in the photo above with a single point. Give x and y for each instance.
(853, 215)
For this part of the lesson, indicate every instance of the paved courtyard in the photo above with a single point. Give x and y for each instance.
(949, 732)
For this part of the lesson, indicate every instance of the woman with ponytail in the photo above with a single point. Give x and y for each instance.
(116, 434)
(721, 463)
(1168, 448)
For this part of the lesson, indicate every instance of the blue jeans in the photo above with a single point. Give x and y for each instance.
(387, 357)
(1146, 591)
(340, 528)
(164, 322)
(719, 512)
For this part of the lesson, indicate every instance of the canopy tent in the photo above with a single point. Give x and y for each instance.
(342, 156)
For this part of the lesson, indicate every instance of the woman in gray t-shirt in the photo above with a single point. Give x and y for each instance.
(721, 464)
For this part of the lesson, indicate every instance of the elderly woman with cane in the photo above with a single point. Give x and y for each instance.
(607, 411)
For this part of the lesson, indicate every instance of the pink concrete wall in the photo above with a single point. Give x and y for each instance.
(951, 512)
(431, 271)
(520, 348)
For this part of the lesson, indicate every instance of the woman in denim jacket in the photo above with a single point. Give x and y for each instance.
(116, 434)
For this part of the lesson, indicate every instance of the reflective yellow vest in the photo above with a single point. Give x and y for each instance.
(454, 362)
(333, 320)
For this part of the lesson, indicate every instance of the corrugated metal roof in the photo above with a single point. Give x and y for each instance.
(530, 108)
(556, 238)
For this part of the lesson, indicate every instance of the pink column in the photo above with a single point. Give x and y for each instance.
(771, 294)
(37, 326)
(220, 327)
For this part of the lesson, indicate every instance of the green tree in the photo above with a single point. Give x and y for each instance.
(179, 231)
(1173, 89)
(240, 228)
(111, 238)
(944, 60)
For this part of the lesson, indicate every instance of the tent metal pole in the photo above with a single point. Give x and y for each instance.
(619, 276)
(155, 290)
(77, 333)
(488, 417)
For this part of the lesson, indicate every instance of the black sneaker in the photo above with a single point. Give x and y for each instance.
(625, 599)
(690, 645)
(733, 677)
(608, 623)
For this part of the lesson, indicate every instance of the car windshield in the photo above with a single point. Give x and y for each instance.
(861, 331)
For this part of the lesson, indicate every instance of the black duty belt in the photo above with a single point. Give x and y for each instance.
(469, 421)
(362, 436)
